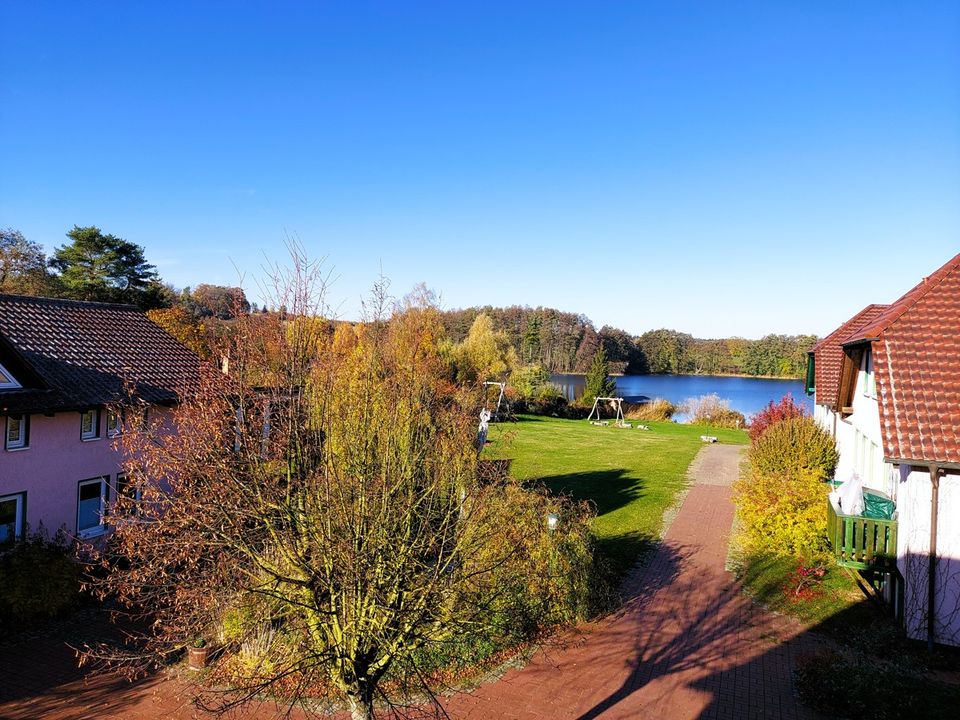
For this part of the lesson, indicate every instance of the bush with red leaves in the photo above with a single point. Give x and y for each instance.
(773, 413)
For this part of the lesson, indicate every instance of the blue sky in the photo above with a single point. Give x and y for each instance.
(722, 169)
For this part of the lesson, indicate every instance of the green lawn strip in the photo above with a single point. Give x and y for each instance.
(870, 669)
(767, 579)
(631, 475)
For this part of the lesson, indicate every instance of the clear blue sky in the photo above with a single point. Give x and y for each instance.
(717, 168)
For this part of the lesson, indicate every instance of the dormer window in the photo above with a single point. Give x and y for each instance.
(90, 424)
(8, 381)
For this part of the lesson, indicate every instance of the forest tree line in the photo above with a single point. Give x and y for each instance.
(98, 266)
(566, 342)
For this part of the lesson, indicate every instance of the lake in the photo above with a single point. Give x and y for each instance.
(745, 394)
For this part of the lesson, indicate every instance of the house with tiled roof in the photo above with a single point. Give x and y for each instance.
(887, 386)
(67, 371)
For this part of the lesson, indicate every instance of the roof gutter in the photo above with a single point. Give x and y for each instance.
(942, 465)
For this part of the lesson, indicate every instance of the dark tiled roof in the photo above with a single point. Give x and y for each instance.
(84, 354)
(917, 365)
(828, 354)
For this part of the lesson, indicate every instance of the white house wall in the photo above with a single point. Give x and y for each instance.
(913, 547)
(860, 443)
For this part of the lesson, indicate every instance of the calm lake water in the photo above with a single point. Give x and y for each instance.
(746, 395)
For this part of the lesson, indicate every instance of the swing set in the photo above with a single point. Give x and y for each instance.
(616, 406)
(501, 399)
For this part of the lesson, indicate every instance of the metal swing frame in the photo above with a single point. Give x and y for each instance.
(500, 397)
(617, 401)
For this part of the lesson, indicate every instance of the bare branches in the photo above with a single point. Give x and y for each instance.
(316, 515)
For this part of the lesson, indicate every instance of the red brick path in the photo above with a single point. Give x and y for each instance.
(686, 645)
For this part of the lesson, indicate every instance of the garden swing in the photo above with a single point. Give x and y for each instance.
(616, 405)
(500, 398)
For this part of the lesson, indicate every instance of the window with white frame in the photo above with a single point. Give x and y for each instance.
(17, 435)
(11, 517)
(8, 381)
(92, 497)
(114, 423)
(129, 494)
(90, 424)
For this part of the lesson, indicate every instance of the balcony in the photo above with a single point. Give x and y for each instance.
(862, 543)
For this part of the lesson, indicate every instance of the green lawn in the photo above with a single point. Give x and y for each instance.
(631, 475)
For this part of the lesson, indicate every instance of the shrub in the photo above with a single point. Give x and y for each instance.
(528, 379)
(656, 409)
(858, 688)
(711, 410)
(532, 392)
(773, 413)
(546, 583)
(782, 501)
(39, 579)
(794, 445)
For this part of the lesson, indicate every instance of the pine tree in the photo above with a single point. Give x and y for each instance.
(599, 384)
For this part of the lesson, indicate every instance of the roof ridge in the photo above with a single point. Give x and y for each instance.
(909, 299)
(850, 326)
(42, 300)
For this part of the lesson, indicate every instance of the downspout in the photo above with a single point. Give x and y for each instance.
(932, 565)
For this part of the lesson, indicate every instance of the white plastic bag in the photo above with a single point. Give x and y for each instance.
(849, 496)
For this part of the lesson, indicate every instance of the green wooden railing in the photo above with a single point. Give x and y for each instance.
(861, 542)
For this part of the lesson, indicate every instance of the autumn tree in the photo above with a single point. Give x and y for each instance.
(216, 301)
(184, 327)
(320, 518)
(485, 354)
(105, 268)
(23, 266)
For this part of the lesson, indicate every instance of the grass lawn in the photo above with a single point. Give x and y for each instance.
(767, 578)
(631, 475)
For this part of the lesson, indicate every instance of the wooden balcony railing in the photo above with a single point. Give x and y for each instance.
(860, 542)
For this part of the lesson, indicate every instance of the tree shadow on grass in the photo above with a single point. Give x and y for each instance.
(607, 490)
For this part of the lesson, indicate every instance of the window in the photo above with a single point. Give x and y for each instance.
(869, 378)
(92, 496)
(130, 491)
(11, 517)
(90, 425)
(8, 381)
(17, 427)
(114, 423)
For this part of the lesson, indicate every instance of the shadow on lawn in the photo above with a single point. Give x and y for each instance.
(607, 490)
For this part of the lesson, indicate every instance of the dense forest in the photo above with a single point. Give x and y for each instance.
(566, 342)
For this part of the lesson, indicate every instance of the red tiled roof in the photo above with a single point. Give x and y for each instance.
(82, 354)
(828, 354)
(917, 366)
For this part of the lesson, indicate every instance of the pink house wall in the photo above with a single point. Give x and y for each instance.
(56, 460)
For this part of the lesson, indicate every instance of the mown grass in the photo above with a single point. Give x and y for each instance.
(767, 579)
(632, 476)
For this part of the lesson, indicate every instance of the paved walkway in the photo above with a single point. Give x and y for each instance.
(686, 644)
